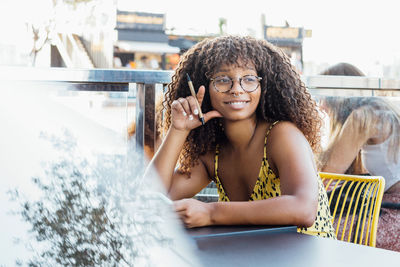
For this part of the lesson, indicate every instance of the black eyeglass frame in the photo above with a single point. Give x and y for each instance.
(240, 82)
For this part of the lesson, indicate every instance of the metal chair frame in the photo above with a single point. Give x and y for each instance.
(357, 200)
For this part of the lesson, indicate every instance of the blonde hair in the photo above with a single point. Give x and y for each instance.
(368, 116)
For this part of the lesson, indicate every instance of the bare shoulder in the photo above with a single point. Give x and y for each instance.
(285, 129)
(288, 150)
(285, 135)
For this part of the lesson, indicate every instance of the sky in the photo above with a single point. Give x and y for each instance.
(359, 32)
(363, 33)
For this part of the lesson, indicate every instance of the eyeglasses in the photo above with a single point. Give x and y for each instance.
(223, 84)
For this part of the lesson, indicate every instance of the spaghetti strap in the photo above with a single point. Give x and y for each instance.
(216, 161)
(266, 137)
(268, 185)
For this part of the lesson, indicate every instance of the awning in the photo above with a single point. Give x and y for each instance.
(182, 43)
(149, 47)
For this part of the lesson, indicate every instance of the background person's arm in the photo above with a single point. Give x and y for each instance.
(345, 149)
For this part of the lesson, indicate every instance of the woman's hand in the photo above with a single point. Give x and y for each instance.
(193, 213)
(184, 112)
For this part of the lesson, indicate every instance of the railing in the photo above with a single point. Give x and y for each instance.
(142, 84)
(357, 86)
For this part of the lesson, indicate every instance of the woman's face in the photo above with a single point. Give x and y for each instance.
(235, 104)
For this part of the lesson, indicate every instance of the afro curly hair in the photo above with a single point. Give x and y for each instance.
(284, 96)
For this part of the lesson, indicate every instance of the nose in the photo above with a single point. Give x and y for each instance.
(236, 89)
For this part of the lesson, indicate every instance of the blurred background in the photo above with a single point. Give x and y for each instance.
(152, 34)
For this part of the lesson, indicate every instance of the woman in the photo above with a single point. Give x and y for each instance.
(365, 139)
(364, 135)
(366, 125)
(336, 123)
(257, 143)
(370, 127)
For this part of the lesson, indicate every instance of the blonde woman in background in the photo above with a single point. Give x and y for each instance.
(337, 120)
(364, 138)
(363, 126)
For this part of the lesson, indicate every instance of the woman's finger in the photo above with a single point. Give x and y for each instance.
(211, 114)
(193, 105)
(200, 94)
(180, 205)
(176, 104)
(185, 105)
(182, 214)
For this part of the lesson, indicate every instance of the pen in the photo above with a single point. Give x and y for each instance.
(195, 97)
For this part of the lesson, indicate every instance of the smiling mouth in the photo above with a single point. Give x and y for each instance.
(237, 105)
(236, 102)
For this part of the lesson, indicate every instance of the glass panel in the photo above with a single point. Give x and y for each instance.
(71, 190)
(365, 130)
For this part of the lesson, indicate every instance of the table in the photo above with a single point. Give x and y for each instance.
(282, 246)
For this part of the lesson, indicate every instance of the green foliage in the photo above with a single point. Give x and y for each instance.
(81, 218)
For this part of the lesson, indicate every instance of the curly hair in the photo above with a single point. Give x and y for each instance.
(284, 96)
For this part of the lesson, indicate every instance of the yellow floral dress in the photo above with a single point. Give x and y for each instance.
(268, 186)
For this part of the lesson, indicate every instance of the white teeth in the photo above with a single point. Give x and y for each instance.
(236, 103)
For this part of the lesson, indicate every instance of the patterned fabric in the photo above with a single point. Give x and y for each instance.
(268, 185)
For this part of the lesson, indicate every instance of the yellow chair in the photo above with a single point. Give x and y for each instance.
(355, 202)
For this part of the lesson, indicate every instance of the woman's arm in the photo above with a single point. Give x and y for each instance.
(178, 185)
(292, 158)
(183, 120)
(346, 147)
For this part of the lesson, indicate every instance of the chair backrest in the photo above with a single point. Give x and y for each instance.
(355, 202)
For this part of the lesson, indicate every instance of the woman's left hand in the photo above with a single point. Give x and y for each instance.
(193, 213)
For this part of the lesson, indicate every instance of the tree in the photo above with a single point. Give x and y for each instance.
(222, 26)
(41, 36)
(91, 214)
